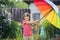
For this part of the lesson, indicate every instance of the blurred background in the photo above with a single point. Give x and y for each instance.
(11, 16)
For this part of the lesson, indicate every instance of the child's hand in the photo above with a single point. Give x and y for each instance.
(32, 28)
(38, 20)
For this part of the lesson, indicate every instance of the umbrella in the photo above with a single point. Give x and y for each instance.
(49, 11)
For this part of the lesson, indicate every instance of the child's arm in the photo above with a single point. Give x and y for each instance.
(28, 22)
(37, 21)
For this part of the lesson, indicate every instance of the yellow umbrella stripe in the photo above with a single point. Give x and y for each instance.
(54, 19)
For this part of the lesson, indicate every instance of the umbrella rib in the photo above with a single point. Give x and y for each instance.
(45, 14)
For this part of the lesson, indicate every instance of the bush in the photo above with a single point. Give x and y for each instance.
(15, 29)
(9, 30)
(12, 31)
(48, 27)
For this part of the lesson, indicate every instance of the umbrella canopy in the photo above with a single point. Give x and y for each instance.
(49, 11)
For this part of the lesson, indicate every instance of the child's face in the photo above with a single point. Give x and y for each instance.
(26, 18)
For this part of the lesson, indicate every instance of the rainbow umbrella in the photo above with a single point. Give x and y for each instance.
(49, 11)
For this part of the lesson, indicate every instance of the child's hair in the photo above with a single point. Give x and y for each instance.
(26, 14)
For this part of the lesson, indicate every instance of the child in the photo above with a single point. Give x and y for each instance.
(27, 31)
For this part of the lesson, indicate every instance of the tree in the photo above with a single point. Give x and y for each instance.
(14, 4)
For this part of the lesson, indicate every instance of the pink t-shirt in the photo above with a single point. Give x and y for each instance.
(27, 31)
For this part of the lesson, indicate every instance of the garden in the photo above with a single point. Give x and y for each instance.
(11, 29)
